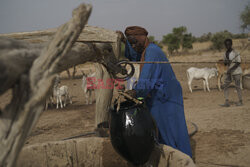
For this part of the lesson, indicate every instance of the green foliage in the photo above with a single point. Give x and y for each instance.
(152, 39)
(239, 36)
(208, 37)
(179, 31)
(219, 38)
(245, 18)
(178, 37)
(172, 42)
(205, 37)
(187, 41)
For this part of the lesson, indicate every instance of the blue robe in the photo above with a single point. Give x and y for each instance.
(163, 93)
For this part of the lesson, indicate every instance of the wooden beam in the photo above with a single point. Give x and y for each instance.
(88, 34)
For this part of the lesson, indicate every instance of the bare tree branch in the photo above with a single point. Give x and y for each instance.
(31, 83)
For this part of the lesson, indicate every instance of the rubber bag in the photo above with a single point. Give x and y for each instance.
(133, 132)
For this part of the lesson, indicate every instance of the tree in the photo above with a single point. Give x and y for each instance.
(187, 41)
(151, 39)
(178, 38)
(245, 18)
(219, 38)
(180, 31)
(172, 42)
(239, 36)
(205, 37)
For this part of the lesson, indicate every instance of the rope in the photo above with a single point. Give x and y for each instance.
(81, 135)
(120, 93)
(130, 98)
(167, 62)
(244, 48)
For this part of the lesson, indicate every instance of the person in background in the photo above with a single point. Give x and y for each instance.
(159, 87)
(232, 60)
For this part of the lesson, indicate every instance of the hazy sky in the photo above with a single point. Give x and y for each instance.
(157, 16)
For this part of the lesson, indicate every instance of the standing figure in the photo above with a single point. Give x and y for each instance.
(159, 87)
(232, 60)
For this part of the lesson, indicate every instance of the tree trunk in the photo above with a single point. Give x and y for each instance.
(31, 79)
(103, 96)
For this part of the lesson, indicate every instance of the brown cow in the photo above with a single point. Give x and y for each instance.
(222, 69)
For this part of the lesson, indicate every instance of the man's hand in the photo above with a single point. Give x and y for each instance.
(231, 70)
(123, 39)
(131, 93)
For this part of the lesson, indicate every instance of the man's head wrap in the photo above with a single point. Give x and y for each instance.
(135, 30)
(140, 34)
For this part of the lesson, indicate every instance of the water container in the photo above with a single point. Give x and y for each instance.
(133, 132)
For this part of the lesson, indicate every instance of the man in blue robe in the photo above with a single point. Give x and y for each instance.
(158, 85)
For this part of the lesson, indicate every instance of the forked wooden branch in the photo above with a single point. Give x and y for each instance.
(16, 61)
(31, 83)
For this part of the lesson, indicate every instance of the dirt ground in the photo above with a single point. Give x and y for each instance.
(223, 137)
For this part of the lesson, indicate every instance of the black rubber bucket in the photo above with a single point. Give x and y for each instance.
(133, 132)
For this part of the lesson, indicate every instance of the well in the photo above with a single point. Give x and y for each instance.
(91, 151)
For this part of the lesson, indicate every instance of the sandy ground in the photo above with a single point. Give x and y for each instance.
(223, 137)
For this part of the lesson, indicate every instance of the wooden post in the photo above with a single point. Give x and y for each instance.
(28, 66)
(31, 84)
(103, 96)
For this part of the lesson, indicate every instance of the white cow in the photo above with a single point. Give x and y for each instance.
(59, 92)
(200, 73)
(87, 92)
(63, 91)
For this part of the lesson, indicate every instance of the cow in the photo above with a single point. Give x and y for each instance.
(60, 92)
(200, 73)
(222, 69)
(87, 92)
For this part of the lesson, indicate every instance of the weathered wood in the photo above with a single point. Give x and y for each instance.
(79, 54)
(15, 61)
(33, 83)
(103, 96)
(88, 34)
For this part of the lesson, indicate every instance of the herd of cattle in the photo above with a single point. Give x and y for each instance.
(203, 74)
